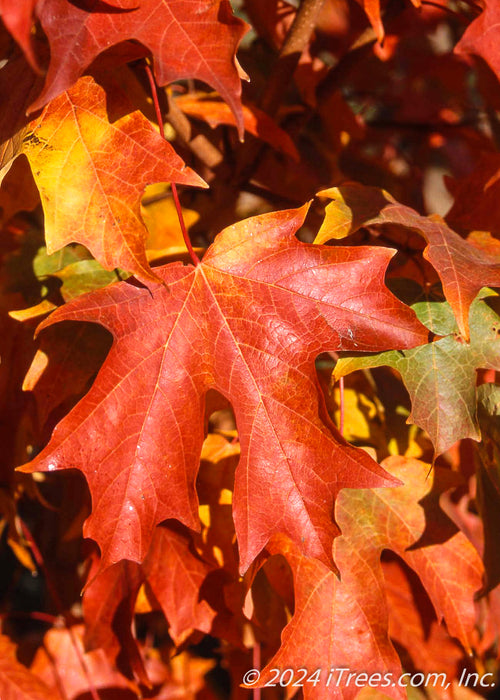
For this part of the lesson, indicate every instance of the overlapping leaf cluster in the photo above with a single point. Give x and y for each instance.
(215, 451)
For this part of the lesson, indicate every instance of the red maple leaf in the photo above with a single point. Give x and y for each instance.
(187, 38)
(249, 321)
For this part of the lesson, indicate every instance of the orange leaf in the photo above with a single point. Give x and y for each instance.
(344, 623)
(91, 160)
(16, 681)
(58, 665)
(212, 110)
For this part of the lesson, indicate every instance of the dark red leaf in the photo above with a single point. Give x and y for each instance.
(187, 38)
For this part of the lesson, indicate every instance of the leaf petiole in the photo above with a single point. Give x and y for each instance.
(185, 235)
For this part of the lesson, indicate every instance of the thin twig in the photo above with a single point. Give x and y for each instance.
(156, 102)
(159, 117)
(185, 234)
(33, 615)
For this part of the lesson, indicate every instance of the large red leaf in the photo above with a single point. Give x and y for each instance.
(344, 622)
(92, 156)
(462, 268)
(188, 39)
(248, 321)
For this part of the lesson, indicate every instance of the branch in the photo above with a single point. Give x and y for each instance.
(296, 41)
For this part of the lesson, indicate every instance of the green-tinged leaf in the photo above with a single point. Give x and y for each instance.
(45, 264)
(59, 278)
(441, 376)
(462, 268)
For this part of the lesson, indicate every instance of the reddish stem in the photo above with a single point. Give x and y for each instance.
(20, 614)
(341, 419)
(185, 235)
(58, 603)
(159, 117)
(41, 565)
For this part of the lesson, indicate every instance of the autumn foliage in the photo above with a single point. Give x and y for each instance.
(249, 339)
